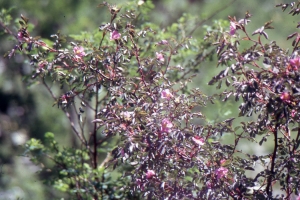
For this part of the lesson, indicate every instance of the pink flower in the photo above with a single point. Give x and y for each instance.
(293, 113)
(160, 57)
(115, 35)
(222, 162)
(150, 174)
(198, 140)
(166, 94)
(221, 172)
(285, 97)
(232, 28)
(163, 42)
(21, 37)
(79, 51)
(166, 125)
(295, 63)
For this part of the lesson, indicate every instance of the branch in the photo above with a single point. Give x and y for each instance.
(8, 30)
(210, 17)
(270, 178)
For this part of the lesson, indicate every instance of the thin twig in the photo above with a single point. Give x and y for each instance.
(210, 17)
(8, 30)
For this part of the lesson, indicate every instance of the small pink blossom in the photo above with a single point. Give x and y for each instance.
(198, 140)
(221, 172)
(285, 96)
(295, 63)
(127, 115)
(79, 51)
(150, 174)
(232, 28)
(21, 37)
(115, 35)
(222, 162)
(166, 125)
(298, 198)
(163, 42)
(293, 113)
(166, 94)
(160, 57)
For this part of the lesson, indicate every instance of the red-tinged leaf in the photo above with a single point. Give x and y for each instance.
(97, 121)
(265, 34)
(292, 35)
(24, 19)
(268, 25)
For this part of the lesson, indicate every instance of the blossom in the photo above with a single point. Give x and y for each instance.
(21, 37)
(232, 28)
(166, 125)
(150, 174)
(221, 172)
(127, 116)
(162, 42)
(285, 96)
(115, 35)
(295, 62)
(293, 113)
(198, 140)
(160, 57)
(222, 162)
(166, 94)
(79, 51)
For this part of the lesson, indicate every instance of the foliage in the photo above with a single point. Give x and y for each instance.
(140, 130)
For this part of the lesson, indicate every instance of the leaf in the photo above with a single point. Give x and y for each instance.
(219, 85)
(268, 25)
(292, 35)
(249, 168)
(265, 34)
(24, 19)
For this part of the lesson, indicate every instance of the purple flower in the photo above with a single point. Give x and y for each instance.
(221, 172)
(115, 35)
(232, 28)
(160, 57)
(166, 94)
(166, 125)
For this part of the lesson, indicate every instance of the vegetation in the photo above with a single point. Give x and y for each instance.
(139, 127)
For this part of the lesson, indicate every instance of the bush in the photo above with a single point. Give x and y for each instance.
(140, 128)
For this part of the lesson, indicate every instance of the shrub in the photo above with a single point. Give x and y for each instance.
(141, 130)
